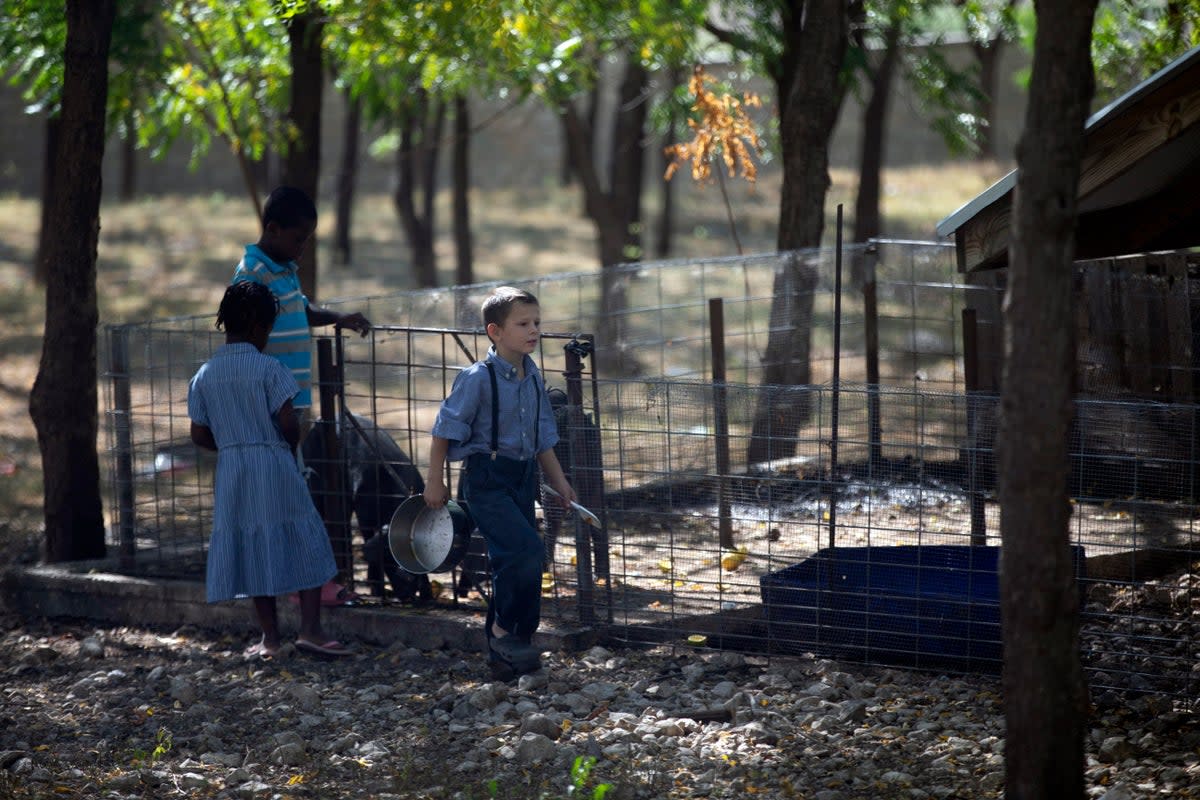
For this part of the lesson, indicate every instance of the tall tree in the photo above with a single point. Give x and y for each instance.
(1044, 693)
(560, 48)
(228, 77)
(801, 45)
(990, 25)
(464, 271)
(1131, 41)
(31, 55)
(612, 199)
(346, 179)
(420, 124)
(894, 42)
(64, 397)
(867, 217)
(302, 161)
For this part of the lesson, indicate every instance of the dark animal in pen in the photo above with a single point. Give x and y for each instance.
(579, 453)
(377, 476)
(583, 466)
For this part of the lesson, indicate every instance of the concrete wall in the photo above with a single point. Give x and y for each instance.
(517, 145)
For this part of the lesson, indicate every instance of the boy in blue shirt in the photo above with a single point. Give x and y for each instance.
(288, 223)
(498, 420)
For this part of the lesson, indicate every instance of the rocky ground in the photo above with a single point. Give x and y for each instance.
(130, 713)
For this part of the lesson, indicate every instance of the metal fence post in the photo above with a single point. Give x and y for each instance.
(123, 436)
(585, 597)
(834, 481)
(337, 511)
(871, 335)
(971, 379)
(716, 324)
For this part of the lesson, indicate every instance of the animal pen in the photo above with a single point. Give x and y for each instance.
(871, 534)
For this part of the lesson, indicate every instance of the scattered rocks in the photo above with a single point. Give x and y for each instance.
(186, 715)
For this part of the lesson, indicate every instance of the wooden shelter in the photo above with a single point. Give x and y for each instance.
(1139, 216)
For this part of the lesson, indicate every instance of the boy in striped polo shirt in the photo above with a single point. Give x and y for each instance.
(288, 222)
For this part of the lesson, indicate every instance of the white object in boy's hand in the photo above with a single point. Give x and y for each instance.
(588, 516)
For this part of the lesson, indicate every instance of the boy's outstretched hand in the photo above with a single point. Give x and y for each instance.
(355, 322)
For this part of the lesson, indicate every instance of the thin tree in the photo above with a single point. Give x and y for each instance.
(346, 179)
(867, 217)
(990, 26)
(723, 132)
(801, 45)
(302, 163)
(64, 397)
(1044, 693)
(420, 128)
(464, 249)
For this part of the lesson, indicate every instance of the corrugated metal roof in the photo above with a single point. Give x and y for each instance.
(1114, 109)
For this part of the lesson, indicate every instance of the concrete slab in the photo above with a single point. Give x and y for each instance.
(93, 590)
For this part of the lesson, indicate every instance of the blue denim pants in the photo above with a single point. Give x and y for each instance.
(500, 493)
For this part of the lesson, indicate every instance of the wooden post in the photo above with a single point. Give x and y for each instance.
(585, 594)
(1179, 326)
(871, 334)
(333, 477)
(837, 381)
(716, 326)
(971, 377)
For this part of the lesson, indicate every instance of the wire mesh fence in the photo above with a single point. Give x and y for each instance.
(872, 534)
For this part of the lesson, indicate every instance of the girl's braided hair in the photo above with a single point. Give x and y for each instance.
(244, 305)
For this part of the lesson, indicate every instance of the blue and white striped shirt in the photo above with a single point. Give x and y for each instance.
(291, 338)
(267, 537)
(465, 418)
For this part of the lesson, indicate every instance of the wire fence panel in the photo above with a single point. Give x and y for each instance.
(883, 549)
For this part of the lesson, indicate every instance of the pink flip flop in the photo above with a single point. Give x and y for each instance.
(332, 595)
(330, 648)
(260, 651)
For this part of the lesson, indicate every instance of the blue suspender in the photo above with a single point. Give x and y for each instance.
(537, 420)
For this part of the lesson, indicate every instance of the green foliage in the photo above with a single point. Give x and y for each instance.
(581, 773)
(33, 35)
(989, 20)
(1132, 39)
(163, 743)
(950, 96)
(227, 77)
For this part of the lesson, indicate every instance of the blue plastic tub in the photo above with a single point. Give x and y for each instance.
(923, 606)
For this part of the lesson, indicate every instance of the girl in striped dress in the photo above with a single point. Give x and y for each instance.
(267, 537)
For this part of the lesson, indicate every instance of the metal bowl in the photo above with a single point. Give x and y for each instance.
(424, 540)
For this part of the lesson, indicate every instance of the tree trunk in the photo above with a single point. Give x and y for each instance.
(50, 185)
(810, 93)
(347, 175)
(416, 170)
(666, 217)
(1044, 694)
(129, 155)
(867, 217)
(464, 271)
(64, 397)
(302, 166)
(664, 234)
(615, 212)
(988, 56)
(628, 157)
(566, 175)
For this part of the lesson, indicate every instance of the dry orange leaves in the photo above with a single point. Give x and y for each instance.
(723, 129)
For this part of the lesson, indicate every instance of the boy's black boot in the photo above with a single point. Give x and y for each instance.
(510, 656)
